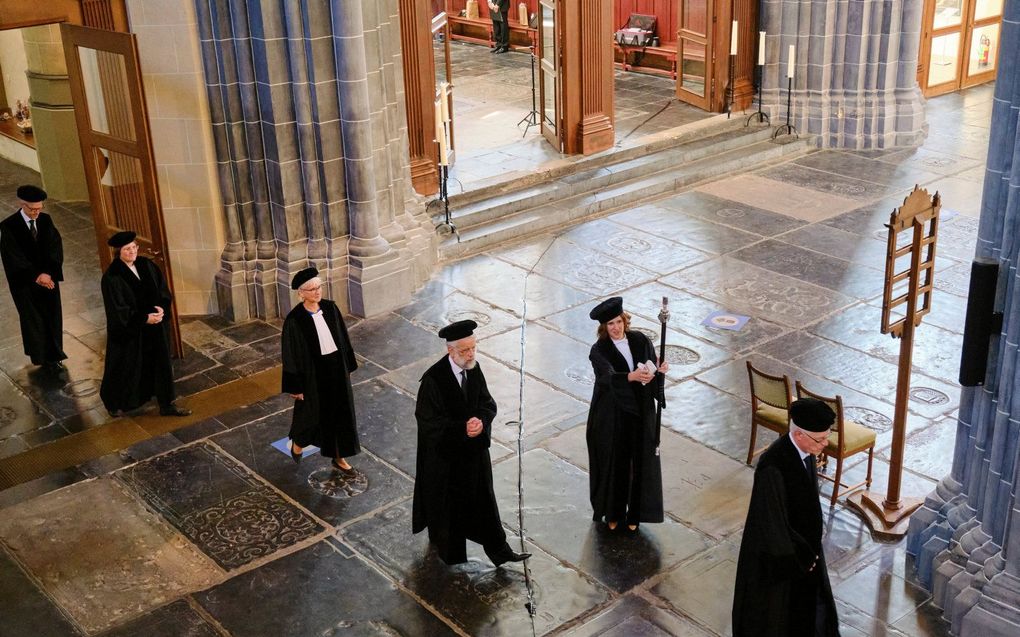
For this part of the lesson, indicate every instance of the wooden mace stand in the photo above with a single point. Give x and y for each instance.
(889, 517)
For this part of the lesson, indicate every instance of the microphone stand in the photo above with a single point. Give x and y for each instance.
(532, 117)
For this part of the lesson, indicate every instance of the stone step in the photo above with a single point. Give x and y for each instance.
(568, 210)
(468, 215)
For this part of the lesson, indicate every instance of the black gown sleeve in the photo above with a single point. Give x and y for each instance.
(609, 381)
(486, 412)
(783, 553)
(18, 266)
(122, 315)
(437, 428)
(291, 346)
(54, 253)
(352, 361)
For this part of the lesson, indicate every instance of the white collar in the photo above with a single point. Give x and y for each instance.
(457, 369)
(799, 450)
(25, 217)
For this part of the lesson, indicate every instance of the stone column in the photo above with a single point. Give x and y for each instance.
(855, 83)
(53, 125)
(967, 537)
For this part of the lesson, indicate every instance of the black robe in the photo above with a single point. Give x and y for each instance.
(137, 362)
(24, 259)
(325, 418)
(453, 494)
(625, 476)
(774, 594)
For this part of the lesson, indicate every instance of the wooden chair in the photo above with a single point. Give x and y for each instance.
(847, 439)
(770, 405)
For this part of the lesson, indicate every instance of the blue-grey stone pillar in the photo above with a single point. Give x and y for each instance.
(966, 538)
(855, 75)
(308, 124)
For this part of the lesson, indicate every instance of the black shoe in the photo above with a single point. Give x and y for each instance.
(54, 367)
(174, 410)
(296, 457)
(501, 50)
(495, 50)
(349, 471)
(508, 555)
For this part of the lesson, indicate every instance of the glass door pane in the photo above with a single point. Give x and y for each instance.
(694, 53)
(948, 13)
(987, 9)
(984, 47)
(548, 72)
(945, 55)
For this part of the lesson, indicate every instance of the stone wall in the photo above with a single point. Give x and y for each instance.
(855, 79)
(309, 126)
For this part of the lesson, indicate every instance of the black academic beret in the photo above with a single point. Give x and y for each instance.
(458, 330)
(121, 239)
(812, 414)
(31, 194)
(607, 310)
(302, 277)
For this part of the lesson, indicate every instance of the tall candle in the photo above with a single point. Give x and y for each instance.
(441, 137)
(733, 39)
(790, 62)
(444, 97)
(761, 48)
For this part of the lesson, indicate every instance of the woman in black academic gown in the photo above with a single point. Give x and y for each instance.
(317, 365)
(625, 475)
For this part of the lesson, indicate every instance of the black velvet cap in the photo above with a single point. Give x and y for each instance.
(302, 277)
(458, 330)
(607, 310)
(121, 239)
(812, 415)
(31, 194)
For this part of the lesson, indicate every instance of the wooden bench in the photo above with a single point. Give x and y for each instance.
(666, 52)
(479, 31)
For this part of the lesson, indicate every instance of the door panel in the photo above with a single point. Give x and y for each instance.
(549, 84)
(113, 130)
(695, 68)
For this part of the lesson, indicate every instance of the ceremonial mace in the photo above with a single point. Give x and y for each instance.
(663, 318)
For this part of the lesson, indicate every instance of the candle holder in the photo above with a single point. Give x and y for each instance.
(446, 226)
(760, 114)
(789, 128)
(729, 87)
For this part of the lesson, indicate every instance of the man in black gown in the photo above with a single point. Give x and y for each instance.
(453, 495)
(137, 302)
(33, 258)
(782, 586)
(499, 11)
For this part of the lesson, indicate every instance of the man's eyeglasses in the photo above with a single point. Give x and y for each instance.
(824, 438)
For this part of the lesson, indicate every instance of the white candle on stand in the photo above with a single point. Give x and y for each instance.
(441, 137)
(733, 39)
(444, 97)
(761, 48)
(790, 62)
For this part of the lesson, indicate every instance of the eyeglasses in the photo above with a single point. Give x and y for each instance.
(818, 440)
(315, 289)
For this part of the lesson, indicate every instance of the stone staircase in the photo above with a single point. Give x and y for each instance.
(597, 185)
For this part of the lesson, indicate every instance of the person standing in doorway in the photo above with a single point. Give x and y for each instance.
(499, 10)
(317, 363)
(137, 301)
(33, 257)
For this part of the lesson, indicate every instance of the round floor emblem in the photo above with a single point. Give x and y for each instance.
(679, 355)
(929, 396)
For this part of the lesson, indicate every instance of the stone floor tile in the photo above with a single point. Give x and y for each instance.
(711, 417)
(28, 490)
(178, 619)
(459, 307)
(312, 483)
(633, 616)
(879, 594)
(347, 597)
(101, 555)
(703, 587)
(479, 599)
(558, 517)
(231, 516)
(731, 213)
(923, 621)
(830, 183)
(247, 333)
(633, 246)
(25, 609)
(691, 231)
(391, 341)
(550, 356)
(929, 450)
(863, 249)
(897, 175)
(784, 199)
(748, 289)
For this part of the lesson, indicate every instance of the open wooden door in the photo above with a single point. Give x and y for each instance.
(695, 58)
(113, 129)
(550, 87)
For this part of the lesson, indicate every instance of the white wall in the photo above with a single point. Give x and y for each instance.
(14, 64)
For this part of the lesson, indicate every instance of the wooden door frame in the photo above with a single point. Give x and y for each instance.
(711, 100)
(966, 29)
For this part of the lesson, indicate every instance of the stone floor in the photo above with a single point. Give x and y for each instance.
(492, 94)
(211, 531)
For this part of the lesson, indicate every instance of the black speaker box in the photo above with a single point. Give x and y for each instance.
(982, 323)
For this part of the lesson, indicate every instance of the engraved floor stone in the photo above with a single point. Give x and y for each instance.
(814, 267)
(101, 555)
(957, 236)
(390, 341)
(18, 414)
(785, 199)
(460, 307)
(634, 246)
(959, 194)
(830, 183)
(501, 284)
(349, 598)
(178, 619)
(952, 278)
(685, 229)
(633, 616)
(862, 168)
(930, 160)
(687, 311)
(24, 608)
(251, 445)
(386, 424)
(711, 417)
(929, 450)
(231, 516)
(587, 270)
(557, 515)
(338, 484)
(551, 357)
(731, 213)
(703, 588)
(880, 594)
(479, 599)
(747, 289)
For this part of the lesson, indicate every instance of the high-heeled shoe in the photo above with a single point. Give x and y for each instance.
(295, 456)
(348, 470)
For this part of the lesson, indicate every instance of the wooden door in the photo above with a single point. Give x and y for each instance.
(695, 58)
(113, 131)
(959, 44)
(550, 86)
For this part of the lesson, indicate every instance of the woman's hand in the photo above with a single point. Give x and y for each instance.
(640, 375)
(664, 368)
